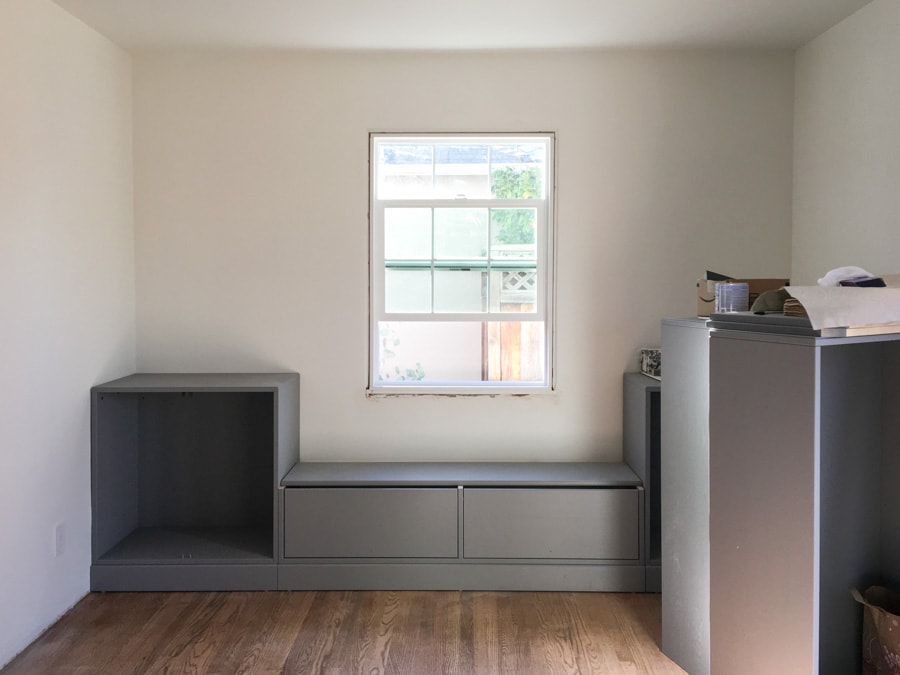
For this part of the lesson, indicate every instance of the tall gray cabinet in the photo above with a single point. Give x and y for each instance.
(803, 466)
(185, 474)
(804, 445)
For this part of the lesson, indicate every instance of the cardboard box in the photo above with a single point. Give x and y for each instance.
(706, 291)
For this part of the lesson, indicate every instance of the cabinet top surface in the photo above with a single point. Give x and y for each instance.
(441, 474)
(806, 341)
(688, 322)
(642, 381)
(197, 381)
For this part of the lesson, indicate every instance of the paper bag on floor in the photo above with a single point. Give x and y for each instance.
(881, 630)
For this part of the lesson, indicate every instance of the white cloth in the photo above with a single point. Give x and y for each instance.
(836, 276)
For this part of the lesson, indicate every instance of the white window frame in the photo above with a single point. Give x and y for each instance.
(544, 267)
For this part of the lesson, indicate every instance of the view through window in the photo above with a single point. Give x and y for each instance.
(461, 263)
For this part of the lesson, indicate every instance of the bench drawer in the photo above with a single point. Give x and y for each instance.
(550, 523)
(370, 523)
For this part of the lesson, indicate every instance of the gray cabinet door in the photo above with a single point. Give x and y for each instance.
(370, 523)
(601, 524)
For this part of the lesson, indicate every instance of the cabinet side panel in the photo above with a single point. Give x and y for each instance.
(114, 479)
(651, 482)
(288, 423)
(763, 416)
(684, 495)
(850, 497)
(634, 424)
(890, 536)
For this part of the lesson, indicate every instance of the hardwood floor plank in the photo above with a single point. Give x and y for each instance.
(486, 645)
(89, 627)
(343, 632)
(289, 613)
(466, 630)
(365, 646)
(412, 647)
(556, 635)
(245, 632)
(312, 647)
(183, 642)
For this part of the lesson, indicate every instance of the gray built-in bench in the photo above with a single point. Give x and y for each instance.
(196, 485)
(501, 526)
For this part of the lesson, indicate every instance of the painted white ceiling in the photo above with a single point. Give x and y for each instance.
(459, 24)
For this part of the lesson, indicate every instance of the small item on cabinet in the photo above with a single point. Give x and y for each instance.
(732, 297)
(770, 301)
(706, 290)
(651, 362)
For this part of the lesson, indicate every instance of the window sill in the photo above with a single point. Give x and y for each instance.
(459, 391)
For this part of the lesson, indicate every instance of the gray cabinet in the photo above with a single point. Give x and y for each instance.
(184, 477)
(803, 476)
(780, 470)
(196, 485)
(501, 526)
(641, 440)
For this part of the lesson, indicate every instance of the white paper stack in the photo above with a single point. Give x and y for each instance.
(860, 311)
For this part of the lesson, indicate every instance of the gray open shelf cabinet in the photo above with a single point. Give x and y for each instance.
(185, 476)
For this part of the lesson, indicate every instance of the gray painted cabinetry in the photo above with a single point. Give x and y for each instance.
(803, 482)
(684, 494)
(184, 476)
(196, 485)
(641, 437)
(548, 523)
(377, 522)
(780, 475)
(505, 526)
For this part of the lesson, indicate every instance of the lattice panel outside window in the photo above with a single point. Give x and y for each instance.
(519, 286)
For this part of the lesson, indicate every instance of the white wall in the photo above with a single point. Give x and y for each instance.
(66, 295)
(847, 146)
(251, 221)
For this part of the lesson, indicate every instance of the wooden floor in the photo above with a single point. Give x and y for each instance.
(339, 632)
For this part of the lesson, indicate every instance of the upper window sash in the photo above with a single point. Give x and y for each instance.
(476, 167)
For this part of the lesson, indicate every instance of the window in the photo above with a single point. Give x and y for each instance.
(461, 263)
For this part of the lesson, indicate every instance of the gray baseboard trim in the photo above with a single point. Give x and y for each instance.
(373, 576)
(216, 577)
(468, 576)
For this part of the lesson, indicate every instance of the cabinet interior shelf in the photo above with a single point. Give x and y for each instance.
(196, 544)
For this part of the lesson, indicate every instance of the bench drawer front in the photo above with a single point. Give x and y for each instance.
(550, 523)
(370, 523)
